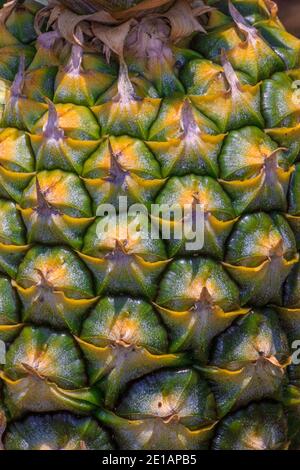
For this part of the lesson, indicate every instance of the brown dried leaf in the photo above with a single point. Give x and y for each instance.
(141, 7)
(6, 10)
(112, 29)
(272, 7)
(113, 37)
(68, 22)
(54, 15)
(183, 20)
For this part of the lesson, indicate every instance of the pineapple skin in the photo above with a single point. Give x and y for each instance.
(144, 344)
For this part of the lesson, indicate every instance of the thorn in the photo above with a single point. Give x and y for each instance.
(119, 251)
(74, 65)
(126, 92)
(117, 174)
(230, 74)
(236, 15)
(40, 196)
(47, 40)
(241, 23)
(121, 246)
(18, 83)
(44, 208)
(51, 129)
(32, 371)
(188, 123)
(277, 251)
(42, 276)
(205, 300)
(205, 296)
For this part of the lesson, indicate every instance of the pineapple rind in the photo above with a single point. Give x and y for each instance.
(142, 344)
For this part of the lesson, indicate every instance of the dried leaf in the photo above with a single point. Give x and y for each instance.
(40, 18)
(67, 24)
(249, 31)
(141, 7)
(183, 21)
(112, 29)
(113, 37)
(272, 7)
(6, 10)
(230, 74)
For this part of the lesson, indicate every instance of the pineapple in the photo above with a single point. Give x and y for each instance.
(138, 342)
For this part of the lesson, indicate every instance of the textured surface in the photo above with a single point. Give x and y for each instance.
(140, 343)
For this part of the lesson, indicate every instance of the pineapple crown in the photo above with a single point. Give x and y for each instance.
(143, 30)
(129, 29)
(145, 27)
